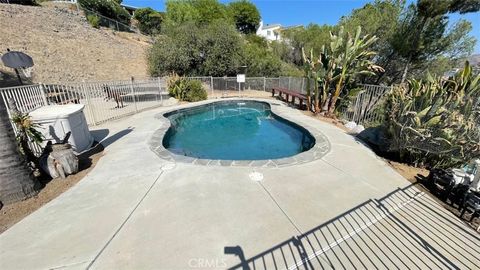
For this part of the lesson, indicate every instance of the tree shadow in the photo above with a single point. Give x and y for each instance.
(404, 229)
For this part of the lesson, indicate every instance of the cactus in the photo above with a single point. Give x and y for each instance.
(436, 122)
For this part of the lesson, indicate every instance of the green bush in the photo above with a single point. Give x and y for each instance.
(108, 8)
(184, 89)
(191, 50)
(195, 91)
(149, 20)
(94, 20)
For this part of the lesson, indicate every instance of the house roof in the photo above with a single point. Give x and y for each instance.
(269, 26)
(129, 7)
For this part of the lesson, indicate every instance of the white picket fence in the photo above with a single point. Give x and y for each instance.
(110, 100)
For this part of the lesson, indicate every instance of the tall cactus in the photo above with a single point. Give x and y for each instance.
(436, 122)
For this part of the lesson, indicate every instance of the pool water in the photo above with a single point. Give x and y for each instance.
(234, 130)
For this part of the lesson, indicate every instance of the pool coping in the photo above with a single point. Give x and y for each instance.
(321, 148)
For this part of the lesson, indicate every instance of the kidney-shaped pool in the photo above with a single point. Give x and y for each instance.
(234, 130)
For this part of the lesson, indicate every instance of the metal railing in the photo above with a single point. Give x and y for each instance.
(364, 108)
(109, 100)
(109, 22)
(103, 100)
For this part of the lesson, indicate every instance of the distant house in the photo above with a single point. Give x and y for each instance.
(272, 31)
(130, 9)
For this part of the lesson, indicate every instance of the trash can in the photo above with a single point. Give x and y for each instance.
(56, 121)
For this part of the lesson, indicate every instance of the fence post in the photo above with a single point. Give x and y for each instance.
(88, 102)
(160, 89)
(44, 95)
(133, 94)
(211, 85)
(264, 84)
(303, 84)
(289, 82)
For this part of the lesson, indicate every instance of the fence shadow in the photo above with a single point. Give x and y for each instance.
(114, 137)
(404, 229)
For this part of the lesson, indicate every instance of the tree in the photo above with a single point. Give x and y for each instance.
(198, 11)
(149, 20)
(245, 15)
(16, 183)
(422, 34)
(313, 36)
(188, 49)
(110, 9)
(260, 61)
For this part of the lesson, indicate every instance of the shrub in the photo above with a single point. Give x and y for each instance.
(184, 89)
(195, 91)
(107, 8)
(94, 20)
(435, 123)
(208, 50)
(149, 20)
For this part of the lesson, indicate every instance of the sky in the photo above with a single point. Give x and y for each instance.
(303, 12)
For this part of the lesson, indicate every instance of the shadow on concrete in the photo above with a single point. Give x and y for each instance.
(113, 138)
(99, 134)
(404, 229)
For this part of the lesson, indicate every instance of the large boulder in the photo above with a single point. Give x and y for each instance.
(375, 137)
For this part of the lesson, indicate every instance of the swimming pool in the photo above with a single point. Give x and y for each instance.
(234, 130)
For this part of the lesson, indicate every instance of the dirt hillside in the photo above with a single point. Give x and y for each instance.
(66, 48)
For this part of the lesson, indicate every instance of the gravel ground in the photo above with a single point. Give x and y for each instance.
(66, 48)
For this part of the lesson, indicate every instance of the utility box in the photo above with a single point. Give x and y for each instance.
(56, 121)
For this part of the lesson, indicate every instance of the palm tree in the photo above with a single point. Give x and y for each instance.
(354, 58)
(16, 183)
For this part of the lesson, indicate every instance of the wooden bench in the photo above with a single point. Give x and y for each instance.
(302, 99)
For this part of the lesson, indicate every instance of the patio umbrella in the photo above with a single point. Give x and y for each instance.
(16, 60)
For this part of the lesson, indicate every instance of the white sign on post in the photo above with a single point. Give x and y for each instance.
(240, 78)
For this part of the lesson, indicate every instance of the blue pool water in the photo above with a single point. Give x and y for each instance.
(234, 130)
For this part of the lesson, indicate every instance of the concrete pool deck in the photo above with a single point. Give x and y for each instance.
(135, 210)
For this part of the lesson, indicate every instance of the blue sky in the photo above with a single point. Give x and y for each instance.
(295, 12)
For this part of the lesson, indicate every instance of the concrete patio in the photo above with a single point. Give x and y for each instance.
(134, 210)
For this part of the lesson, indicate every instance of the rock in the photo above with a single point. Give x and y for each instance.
(59, 160)
(350, 125)
(375, 137)
(358, 129)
